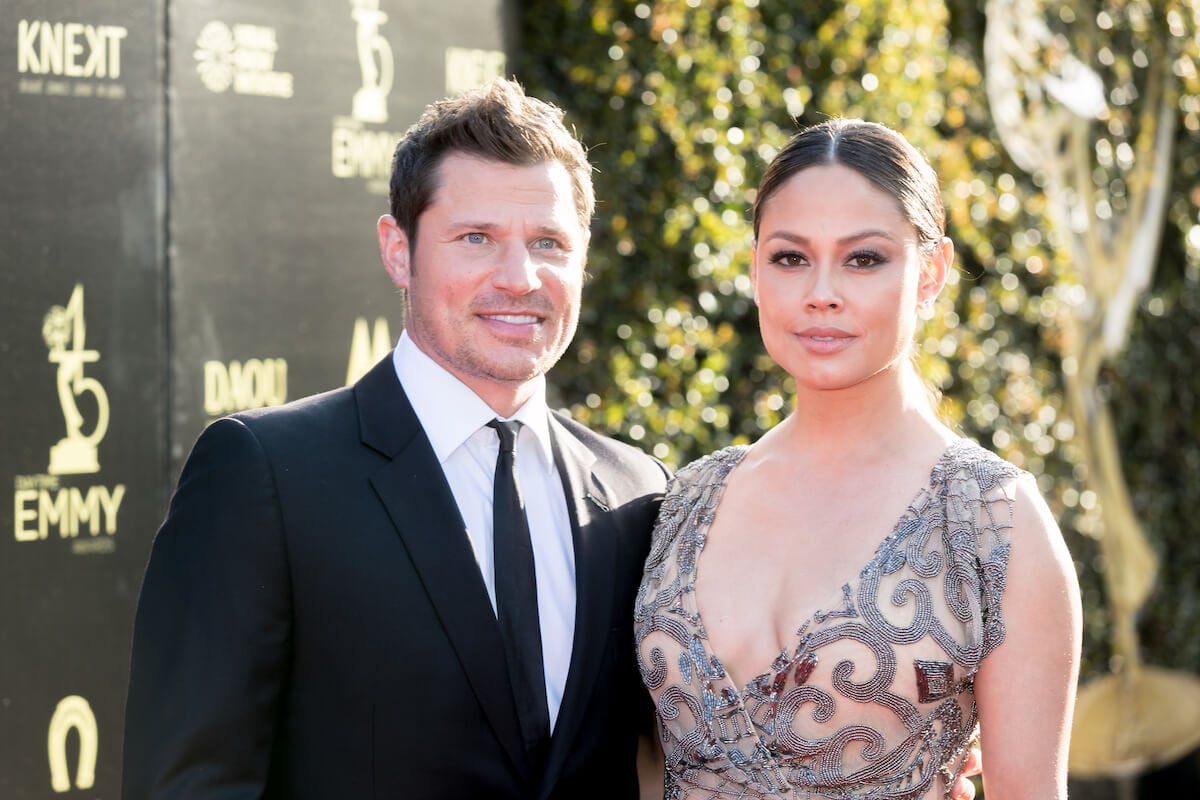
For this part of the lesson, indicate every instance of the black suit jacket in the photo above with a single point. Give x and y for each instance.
(313, 623)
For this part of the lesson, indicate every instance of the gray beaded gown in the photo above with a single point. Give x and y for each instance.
(874, 698)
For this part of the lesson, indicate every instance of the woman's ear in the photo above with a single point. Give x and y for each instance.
(754, 269)
(394, 250)
(934, 271)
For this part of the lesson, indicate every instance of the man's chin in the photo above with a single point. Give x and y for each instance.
(518, 370)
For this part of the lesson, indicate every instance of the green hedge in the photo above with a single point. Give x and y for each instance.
(683, 103)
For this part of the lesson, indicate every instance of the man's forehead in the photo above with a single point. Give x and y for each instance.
(486, 190)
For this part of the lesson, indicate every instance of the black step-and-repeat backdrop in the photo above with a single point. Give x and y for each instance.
(187, 229)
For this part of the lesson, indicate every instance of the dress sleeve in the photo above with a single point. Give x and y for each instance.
(996, 482)
(670, 515)
(685, 499)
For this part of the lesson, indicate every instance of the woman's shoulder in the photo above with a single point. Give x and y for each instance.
(691, 497)
(691, 494)
(710, 469)
(1000, 498)
(967, 466)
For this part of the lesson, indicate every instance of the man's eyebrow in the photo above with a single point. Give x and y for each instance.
(474, 224)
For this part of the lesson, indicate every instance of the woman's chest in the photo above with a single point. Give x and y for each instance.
(878, 664)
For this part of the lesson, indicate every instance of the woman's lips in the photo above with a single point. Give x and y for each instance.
(824, 341)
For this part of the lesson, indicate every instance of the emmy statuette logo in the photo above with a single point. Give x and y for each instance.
(41, 502)
(370, 102)
(64, 331)
(359, 149)
(73, 714)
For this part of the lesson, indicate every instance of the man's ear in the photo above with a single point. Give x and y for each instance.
(934, 271)
(394, 250)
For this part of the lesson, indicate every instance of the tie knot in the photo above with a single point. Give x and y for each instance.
(507, 431)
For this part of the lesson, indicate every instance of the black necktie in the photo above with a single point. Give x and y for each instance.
(516, 596)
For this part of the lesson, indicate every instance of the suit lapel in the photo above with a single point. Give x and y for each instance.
(595, 553)
(413, 489)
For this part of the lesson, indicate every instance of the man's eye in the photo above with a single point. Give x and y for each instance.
(545, 243)
(476, 238)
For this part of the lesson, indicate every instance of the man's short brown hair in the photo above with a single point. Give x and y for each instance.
(497, 122)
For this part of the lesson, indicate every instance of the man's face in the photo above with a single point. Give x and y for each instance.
(494, 277)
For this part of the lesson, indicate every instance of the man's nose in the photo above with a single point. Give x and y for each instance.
(517, 272)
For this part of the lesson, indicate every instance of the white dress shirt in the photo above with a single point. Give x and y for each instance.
(455, 421)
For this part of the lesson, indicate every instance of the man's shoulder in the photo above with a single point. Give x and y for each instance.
(597, 441)
(607, 449)
(377, 394)
(317, 409)
(325, 421)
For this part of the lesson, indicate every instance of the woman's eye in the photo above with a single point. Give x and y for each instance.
(788, 259)
(866, 260)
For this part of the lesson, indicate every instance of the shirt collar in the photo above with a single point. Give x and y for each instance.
(450, 412)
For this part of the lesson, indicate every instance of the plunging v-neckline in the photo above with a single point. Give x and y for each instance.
(919, 500)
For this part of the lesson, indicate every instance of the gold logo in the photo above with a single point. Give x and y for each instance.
(357, 149)
(241, 57)
(214, 56)
(240, 385)
(367, 347)
(370, 102)
(468, 68)
(42, 502)
(65, 58)
(64, 330)
(73, 713)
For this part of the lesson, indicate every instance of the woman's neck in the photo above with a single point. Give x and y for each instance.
(888, 413)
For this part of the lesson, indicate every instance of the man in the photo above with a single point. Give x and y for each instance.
(319, 617)
(331, 608)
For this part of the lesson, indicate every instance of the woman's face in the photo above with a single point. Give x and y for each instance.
(838, 276)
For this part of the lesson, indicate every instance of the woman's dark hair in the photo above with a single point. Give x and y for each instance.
(876, 152)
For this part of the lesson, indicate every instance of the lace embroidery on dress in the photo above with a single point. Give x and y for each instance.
(875, 699)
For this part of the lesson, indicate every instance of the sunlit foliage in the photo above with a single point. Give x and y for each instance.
(684, 101)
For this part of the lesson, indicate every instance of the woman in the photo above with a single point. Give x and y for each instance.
(830, 612)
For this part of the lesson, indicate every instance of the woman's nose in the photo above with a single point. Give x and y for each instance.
(823, 293)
